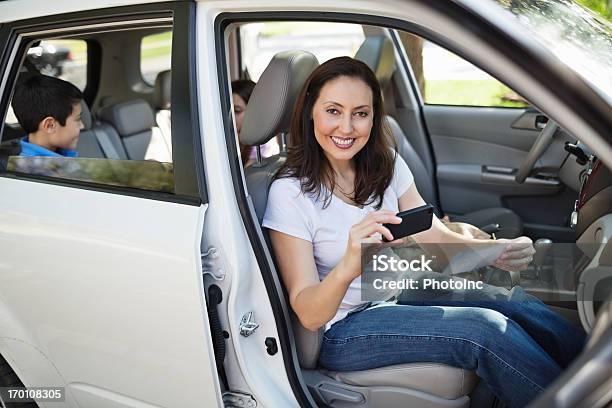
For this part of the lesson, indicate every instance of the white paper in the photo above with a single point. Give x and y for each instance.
(473, 258)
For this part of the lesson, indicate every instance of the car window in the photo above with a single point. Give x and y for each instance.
(575, 35)
(446, 79)
(65, 59)
(155, 55)
(121, 144)
(261, 41)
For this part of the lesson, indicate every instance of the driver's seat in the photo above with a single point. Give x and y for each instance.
(428, 385)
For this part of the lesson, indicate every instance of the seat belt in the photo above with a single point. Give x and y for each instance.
(107, 146)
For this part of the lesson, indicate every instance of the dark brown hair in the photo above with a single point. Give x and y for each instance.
(306, 161)
(41, 96)
(244, 88)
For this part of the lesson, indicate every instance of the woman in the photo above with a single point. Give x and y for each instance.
(341, 181)
(241, 93)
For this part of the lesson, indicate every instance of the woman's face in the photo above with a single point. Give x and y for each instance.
(343, 116)
(239, 109)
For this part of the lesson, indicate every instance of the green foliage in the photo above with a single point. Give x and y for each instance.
(598, 6)
(156, 45)
(162, 37)
(156, 52)
(141, 174)
(485, 92)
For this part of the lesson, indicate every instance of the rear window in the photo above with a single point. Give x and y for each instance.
(133, 153)
(65, 59)
(155, 55)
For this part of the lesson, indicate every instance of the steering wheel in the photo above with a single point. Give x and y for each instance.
(542, 143)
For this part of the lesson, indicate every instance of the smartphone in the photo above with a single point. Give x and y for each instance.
(413, 221)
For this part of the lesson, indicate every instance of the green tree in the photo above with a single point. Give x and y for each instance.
(601, 7)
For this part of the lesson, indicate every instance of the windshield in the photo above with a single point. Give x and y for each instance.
(572, 33)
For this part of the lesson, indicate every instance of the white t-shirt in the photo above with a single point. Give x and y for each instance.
(300, 215)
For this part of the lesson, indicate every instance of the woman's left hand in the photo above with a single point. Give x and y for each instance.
(517, 255)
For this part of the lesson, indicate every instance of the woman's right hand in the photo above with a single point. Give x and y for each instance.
(368, 231)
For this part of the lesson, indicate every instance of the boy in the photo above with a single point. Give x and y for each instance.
(49, 111)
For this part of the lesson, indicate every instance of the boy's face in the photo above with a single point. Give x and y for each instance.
(67, 136)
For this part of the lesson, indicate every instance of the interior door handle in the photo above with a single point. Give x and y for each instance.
(498, 170)
(530, 120)
(505, 175)
(541, 121)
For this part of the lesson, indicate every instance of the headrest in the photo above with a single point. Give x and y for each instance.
(377, 53)
(163, 86)
(129, 117)
(85, 116)
(271, 104)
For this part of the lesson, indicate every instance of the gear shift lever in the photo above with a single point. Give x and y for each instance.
(542, 248)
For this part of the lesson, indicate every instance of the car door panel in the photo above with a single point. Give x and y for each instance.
(488, 125)
(478, 151)
(111, 282)
(469, 187)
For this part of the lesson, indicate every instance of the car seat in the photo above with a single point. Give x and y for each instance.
(163, 104)
(134, 122)
(428, 385)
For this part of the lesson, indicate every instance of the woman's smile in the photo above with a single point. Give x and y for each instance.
(343, 142)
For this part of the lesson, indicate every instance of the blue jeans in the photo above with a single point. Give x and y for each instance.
(514, 361)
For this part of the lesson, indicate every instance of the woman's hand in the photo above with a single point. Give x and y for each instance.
(467, 230)
(517, 255)
(365, 232)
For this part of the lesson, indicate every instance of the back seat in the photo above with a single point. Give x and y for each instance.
(134, 125)
(124, 131)
(98, 140)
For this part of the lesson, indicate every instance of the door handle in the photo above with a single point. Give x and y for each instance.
(505, 175)
(540, 121)
(530, 120)
(498, 170)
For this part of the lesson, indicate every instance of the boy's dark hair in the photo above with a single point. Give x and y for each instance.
(40, 96)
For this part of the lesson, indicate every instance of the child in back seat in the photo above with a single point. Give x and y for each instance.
(49, 111)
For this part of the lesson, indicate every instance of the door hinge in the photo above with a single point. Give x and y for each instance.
(233, 399)
(212, 263)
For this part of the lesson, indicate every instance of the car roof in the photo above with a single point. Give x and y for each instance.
(23, 9)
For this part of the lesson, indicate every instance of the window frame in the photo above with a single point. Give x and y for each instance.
(189, 180)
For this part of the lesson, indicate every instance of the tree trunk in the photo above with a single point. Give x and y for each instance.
(414, 49)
